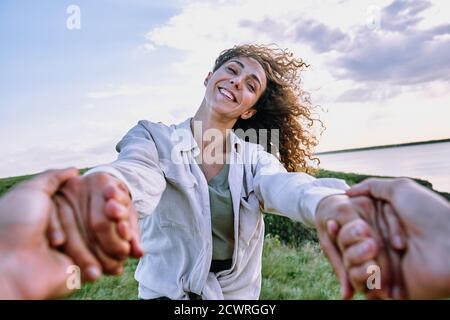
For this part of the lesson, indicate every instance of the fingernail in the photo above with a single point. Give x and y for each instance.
(396, 293)
(358, 230)
(364, 248)
(398, 242)
(57, 237)
(93, 272)
(331, 227)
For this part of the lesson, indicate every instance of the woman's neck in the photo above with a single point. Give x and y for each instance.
(211, 123)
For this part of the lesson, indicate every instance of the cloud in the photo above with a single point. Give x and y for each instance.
(398, 58)
(402, 15)
(398, 54)
(57, 155)
(369, 93)
(119, 106)
(319, 36)
(201, 30)
(316, 34)
(380, 62)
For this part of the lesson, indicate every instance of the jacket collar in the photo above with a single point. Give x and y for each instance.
(188, 142)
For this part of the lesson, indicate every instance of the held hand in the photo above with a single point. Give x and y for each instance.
(356, 239)
(335, 208)
(99, 224)
(335, 212)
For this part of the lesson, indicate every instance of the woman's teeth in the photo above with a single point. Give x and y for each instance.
(226, 94)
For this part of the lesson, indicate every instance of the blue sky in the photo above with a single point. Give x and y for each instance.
(380, 73)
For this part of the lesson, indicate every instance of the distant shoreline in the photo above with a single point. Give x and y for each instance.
(384, 146)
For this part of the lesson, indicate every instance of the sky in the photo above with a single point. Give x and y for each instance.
(75, 76)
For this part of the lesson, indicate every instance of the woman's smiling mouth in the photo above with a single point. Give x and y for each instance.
(229, 95)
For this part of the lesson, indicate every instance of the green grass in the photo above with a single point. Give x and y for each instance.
(296, 272)
(122, 287)
(288, 273)
(8, 183)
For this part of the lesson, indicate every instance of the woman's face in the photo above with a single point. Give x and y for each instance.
(234, 88)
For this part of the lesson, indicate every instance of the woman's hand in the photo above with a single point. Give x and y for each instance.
(355, 240)
(335, 212)
(96, 224)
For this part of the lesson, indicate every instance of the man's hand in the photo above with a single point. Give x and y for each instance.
(31, 269)
(424, 219)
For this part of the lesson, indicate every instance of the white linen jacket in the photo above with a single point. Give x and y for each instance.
(172, 200)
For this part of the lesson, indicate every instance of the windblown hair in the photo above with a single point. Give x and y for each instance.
(283, 105)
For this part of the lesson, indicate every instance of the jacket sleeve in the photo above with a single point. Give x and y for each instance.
(291, 194)
(138, 167)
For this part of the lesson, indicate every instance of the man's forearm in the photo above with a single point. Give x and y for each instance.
(6, 292)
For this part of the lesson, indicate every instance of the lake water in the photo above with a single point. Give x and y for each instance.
(427, 161)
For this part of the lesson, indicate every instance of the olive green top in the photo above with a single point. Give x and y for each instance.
(222, 219)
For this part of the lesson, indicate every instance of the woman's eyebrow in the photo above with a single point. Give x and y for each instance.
(254, 76)
(239, 63)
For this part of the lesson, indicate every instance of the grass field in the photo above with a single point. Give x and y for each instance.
(289, 272)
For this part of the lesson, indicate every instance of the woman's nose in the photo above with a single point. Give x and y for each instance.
(235, 83)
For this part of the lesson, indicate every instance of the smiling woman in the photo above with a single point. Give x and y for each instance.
(202, 227)
(281, 103)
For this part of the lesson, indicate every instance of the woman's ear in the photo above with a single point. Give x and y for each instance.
(248, 114)
(207, 78)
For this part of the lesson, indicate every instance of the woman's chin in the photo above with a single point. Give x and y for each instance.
(224, 108)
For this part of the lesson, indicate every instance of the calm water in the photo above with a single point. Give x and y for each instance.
(428, 161)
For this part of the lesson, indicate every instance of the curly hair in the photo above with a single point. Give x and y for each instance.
(283, 105)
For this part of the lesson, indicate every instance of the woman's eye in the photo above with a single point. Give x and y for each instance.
(232, 70)
(251, 87)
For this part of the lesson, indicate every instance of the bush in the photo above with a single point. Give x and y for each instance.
(288, 231)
